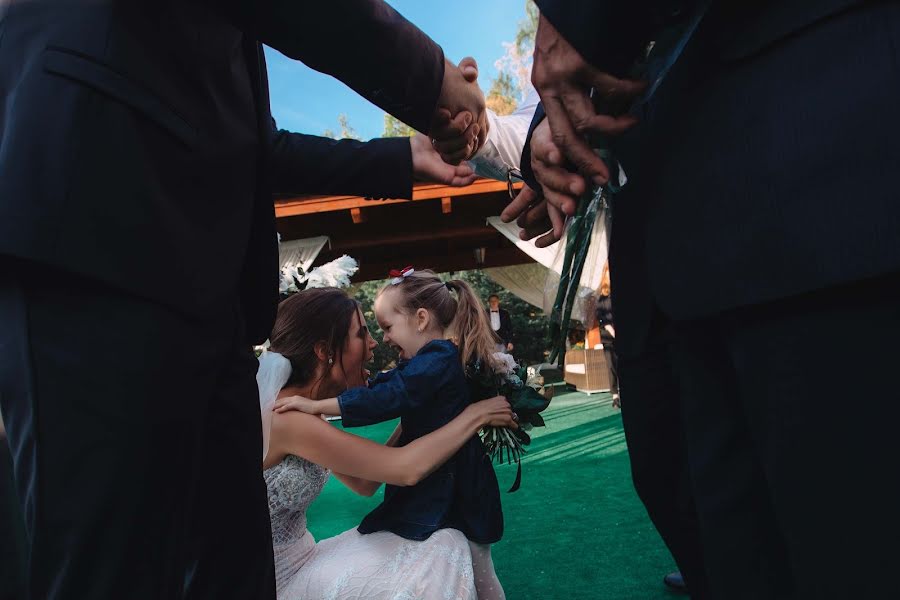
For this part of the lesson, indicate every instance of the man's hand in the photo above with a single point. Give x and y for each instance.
(545, 211)
(428, 165)
(509, 347)
(459, 127)
(564, 80)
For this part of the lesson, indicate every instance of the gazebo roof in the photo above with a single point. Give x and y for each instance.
(441, 228)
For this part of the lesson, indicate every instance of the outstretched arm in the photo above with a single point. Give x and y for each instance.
(394, 65)
(379, 168)
(315, 440)
(390, 395)
(329, 406)
(365, 487)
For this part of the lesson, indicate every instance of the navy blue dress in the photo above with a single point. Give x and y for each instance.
(427, 392)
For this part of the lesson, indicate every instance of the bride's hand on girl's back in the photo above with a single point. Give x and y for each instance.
(494, 412)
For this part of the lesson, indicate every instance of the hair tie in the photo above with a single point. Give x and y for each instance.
(399, 275)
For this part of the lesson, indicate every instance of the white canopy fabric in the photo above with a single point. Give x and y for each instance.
(301, 252)
(525, 281)
(538, 286)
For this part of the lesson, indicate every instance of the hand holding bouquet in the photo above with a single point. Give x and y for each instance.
(508, 378)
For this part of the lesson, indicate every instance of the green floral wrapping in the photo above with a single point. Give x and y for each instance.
(503, 444)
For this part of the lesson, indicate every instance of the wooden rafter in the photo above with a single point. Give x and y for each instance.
(305, 205)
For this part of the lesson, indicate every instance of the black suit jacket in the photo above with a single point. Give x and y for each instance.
(137, 147)
(505, 333)
(754, 174)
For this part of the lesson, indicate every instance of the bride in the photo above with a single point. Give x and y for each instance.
(319, 346)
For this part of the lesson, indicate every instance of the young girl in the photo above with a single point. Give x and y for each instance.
(417, 312)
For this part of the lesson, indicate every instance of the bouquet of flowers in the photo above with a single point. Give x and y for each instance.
(508, 378)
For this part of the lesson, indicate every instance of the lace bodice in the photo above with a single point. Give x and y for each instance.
(352, 566)
(292, 485)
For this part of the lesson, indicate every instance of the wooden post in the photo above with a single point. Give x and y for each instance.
(358, 215)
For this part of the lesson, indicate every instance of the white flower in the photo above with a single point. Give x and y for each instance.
(336, 273)
(504, 362)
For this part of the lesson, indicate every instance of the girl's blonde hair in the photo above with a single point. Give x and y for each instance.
(463, 316)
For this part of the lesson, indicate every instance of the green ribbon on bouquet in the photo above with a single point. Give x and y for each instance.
(578, 241)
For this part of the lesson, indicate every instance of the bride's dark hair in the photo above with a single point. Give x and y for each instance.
(306, 318)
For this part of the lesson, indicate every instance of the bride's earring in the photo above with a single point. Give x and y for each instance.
(330, 360)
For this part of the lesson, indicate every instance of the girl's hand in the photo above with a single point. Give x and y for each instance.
(494, 412)
(298, 403)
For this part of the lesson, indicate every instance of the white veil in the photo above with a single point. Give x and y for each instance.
(274, 372)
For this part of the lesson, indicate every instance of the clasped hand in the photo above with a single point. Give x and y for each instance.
(561, 158)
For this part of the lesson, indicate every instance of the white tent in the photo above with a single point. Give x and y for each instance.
(537, 282)
(302, 252)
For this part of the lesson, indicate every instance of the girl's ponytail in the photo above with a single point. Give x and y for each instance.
(470, 325)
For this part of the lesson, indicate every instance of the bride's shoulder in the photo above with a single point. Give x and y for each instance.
(293, 420)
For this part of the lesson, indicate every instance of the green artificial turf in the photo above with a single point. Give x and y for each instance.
(575, 529)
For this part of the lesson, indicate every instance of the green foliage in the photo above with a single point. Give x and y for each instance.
(502, 96)
(527, 27)
(530, 326)
(385, 357)
(503, 86)
(347, 130)
(515, 66)
(394, 127)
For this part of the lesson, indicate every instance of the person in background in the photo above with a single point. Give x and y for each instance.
(501, 323)
(608, 333)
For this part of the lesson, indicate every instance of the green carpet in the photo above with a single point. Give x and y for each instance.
(575, 529)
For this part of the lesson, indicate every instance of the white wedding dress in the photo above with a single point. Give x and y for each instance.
(376, 566)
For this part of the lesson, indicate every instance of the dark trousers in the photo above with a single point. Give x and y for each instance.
(651, 416)
(796, 469)
(12, 532)
(136, 439)
(612, 365)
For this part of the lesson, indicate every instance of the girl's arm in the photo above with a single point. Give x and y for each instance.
(329, 406)
(315, 440)
(390, 396)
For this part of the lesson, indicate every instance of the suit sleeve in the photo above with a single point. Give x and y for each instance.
(507, 327)
(380, 168)
(404, 391)
(365, 43)
(609, 34)
(525, 165)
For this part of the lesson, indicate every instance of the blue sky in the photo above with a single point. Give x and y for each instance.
(309, 102)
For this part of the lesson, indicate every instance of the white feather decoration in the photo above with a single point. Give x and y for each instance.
(336, 273)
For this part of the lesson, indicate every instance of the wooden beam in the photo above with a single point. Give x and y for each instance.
(304, 205)
(446, 205)
(358, 215)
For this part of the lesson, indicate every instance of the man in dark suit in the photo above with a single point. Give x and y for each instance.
(139, 263)
(774, 116)
(501, 323)
(12, 552)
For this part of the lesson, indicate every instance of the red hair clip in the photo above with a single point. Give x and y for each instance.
(398, 275)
